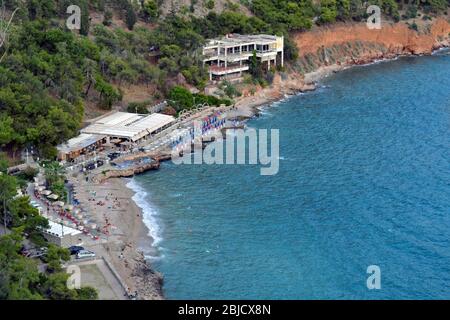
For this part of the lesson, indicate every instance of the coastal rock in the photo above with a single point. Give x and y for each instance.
(148, 282)
(140, 168)
(308, 87)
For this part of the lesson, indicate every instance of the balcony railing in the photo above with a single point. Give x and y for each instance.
(228, 69)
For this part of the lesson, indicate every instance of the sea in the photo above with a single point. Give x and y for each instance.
(362, 191)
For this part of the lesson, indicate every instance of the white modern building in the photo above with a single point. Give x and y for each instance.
(229, 56)
(129, 126)
(118, 128)
(61, 235)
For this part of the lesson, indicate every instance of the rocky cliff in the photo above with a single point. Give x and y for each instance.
(347, 44)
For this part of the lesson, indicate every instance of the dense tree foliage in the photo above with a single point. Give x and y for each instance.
(20, 277)
(41, 80)
(180, 98)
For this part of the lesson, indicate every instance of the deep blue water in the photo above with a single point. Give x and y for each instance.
(364, 180)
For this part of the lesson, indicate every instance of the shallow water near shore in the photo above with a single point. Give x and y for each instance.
(364, 180)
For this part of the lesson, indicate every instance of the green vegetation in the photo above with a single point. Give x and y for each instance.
(209, 4)
(138, 107)
(20, 277)
(54, 176)
(130, 17)
(180, 98)
(4, 163)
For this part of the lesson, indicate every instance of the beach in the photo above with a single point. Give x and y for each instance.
(125, 233)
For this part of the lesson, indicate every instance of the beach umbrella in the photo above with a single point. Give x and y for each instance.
(59, 204)
(53, 197)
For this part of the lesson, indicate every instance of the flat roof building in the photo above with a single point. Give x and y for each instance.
(84, 143)
(61, 235)
(119, 128)
(129, 126)
(228, 57)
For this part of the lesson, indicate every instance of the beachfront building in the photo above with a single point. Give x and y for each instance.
(129, 127)
(61, 235)
(82, 144)
(119, 129)
(228, 57)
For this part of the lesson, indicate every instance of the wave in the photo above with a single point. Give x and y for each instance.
(263, 110)
(265, 113)
(149, 213)
(445, 51)
(285, 159)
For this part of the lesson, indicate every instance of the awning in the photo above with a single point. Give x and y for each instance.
(53, 197)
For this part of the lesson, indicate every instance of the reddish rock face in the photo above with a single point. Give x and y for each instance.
(390, 40)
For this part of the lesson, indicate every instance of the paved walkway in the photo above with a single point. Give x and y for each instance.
(97, 274)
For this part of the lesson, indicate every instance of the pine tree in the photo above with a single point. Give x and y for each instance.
(130, 17)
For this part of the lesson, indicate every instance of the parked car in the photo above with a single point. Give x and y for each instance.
(75, 249)
(90, 166)
(113, 155)
(85, 254)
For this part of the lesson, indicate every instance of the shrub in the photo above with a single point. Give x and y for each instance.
(209, 4)
(107, 19)
(137, 107)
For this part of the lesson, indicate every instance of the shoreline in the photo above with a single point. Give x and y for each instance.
(149, 282)
(151, 229)
(124, 236)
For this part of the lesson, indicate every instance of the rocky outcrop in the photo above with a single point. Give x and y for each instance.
(124, 173)
(148, 282)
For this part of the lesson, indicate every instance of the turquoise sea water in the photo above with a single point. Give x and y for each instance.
(364, 180)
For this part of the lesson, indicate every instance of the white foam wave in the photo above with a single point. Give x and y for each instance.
(149, 212)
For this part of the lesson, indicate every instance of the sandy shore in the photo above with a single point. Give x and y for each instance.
(123, 235)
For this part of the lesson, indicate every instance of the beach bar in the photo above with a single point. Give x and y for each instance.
(129, 127)
(77, 146)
